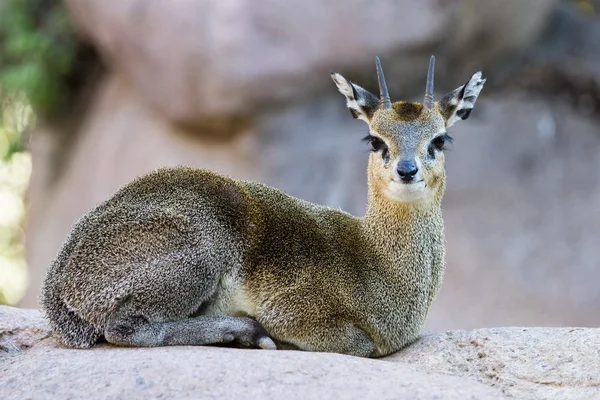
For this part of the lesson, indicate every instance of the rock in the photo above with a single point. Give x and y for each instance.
(231, 58)
(493, 34)
(48, 371)
(521, 218)
(522, 363)
(525, 363)
(20, 329)
(236, 58)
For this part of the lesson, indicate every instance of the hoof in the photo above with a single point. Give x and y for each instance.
(266, 343)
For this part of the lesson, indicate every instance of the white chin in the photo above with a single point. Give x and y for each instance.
(406, 192)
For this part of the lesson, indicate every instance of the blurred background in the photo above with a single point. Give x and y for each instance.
(95, 93)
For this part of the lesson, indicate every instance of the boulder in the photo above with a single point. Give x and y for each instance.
(525, 363)
(218, 58)
(521, 218)
(207, 63)
(495, 363)
(20, 329)
(48, 371)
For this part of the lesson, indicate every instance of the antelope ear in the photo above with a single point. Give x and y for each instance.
(459, 103)
(361, 103)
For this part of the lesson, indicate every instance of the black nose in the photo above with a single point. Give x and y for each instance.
(407, 170)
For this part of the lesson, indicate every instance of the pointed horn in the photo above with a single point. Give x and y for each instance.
(429, 102)
(384, 96)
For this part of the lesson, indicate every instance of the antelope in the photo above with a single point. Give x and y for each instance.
(186, 256)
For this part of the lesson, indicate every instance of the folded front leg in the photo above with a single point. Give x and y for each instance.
(137, 330)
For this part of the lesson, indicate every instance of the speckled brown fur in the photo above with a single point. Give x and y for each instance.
(183, 256)
(407, 111)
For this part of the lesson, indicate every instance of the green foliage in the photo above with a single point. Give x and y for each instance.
(37, 52)
(16, 117)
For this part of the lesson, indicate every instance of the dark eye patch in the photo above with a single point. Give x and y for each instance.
(438, 143)
(377, 145)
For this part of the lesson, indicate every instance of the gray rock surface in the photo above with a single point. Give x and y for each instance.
(48, 371)
(526, 363)
(20, 329)
(520, 363)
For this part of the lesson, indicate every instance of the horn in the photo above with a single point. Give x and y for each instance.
(428, 102)
(384, 96)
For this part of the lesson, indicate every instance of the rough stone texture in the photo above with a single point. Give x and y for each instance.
(192, 373)
(50, 372)
(19, 330)
(231, 58)
(526, 363)
(520, 363)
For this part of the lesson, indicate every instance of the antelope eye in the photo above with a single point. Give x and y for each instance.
(377, 144)
(438, 143)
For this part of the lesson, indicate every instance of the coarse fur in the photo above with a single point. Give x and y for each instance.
(184, 256)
